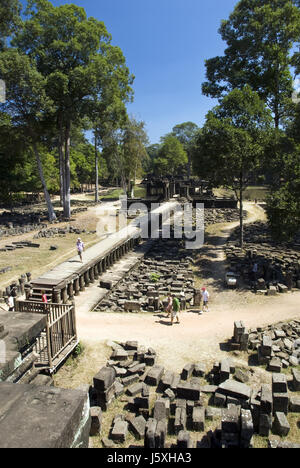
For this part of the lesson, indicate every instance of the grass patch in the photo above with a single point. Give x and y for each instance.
(251, 193)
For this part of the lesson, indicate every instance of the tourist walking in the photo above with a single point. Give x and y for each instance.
(80, 248)
(175, 310)
(11, 303)
(169, 306)
(205, 300)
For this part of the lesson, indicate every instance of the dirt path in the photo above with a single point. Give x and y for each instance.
(197, 337)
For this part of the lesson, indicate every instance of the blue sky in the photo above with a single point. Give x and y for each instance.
(166, 43)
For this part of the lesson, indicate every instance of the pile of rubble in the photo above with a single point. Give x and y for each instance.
(217, 215)
(159, 403)
(278, 265)
(277, 346)
(55, 232)
(165, 269)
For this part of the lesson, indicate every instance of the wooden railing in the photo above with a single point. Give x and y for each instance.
(41, 308)
(60, 335)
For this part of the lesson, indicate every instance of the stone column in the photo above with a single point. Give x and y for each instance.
(22, 282)
(76, 286)
(70, 291)
(56, 296)
(86, 278)
(96, 272)
(92, 275)
(81, 283)
(197, 298)
(64, 295)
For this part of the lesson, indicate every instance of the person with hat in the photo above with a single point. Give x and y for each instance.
(80, 248)
(205, 299)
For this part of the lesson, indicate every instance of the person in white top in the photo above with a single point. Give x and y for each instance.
(205, 299)
(11, 303)
(80, 248)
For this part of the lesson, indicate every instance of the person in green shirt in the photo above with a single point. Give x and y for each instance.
(175, 309)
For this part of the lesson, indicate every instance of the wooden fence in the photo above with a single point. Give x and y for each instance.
(59, 338)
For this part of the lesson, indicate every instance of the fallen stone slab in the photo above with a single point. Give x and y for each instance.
(247, 428)
(183, 440)
(199, 369)
(266, 400)
(188, 391)
(212, 413)
(180, 419)
(161, 409)
(109, 444)
(281, 402)
(281, 425)
(198, 418)
(154, 375)
(294, 405)
(138, 426)
(150, 432)
(119, 431)
(231, 420)
(235, 389)
(160, 434)
(279, 383)
(96, 420)
(104, 379)
(32, 413)
(296, 380)
(187, 371)
(135, 389)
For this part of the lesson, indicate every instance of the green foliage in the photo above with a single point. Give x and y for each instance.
(229, 149)
(132, 152)
(171, 156)
(283, 203)
(79, 350)
(154, 277)
(260, 35)
(9, 19)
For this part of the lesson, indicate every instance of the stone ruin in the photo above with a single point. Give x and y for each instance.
(166, 268)
(278, 264)
(161, 405)
(34, 414)
(276, 346)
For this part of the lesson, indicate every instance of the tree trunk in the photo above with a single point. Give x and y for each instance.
(241, 220)
(51, 212)
(96, 172)
(67, 194)
(61, 166)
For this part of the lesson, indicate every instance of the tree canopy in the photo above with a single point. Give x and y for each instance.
(230, 147)
(260, 35)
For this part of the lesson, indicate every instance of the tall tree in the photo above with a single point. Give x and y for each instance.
(283, 158)
(260, 35)
(133, 152)
(171, 156)
(75, 55)
(9, 19)
(27, 105)
(230, 147)
(186, 133)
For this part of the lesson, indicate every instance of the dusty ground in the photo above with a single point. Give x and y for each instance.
(40, 260)
(197, 337)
